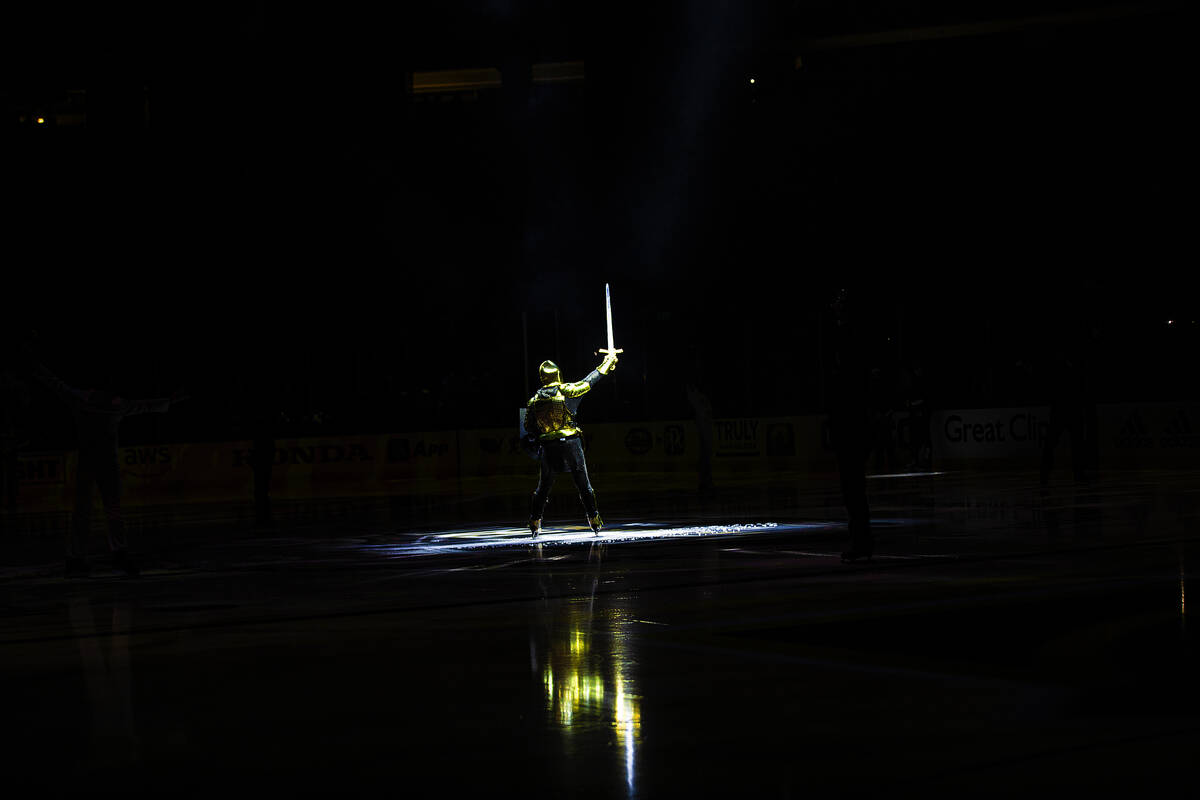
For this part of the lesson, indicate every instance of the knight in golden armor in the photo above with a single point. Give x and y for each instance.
(551, 429)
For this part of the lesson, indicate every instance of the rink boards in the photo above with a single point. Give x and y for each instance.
(1130, 436)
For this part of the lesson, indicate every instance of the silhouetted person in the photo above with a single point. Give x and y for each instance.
(550, 423)
(882, 421)
(917, 400)
(848, 377)
(98, 414)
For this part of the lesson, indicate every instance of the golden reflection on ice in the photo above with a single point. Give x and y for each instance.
(587, 674)
(581, 681)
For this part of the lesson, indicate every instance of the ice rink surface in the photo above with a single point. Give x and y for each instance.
(1006, 638)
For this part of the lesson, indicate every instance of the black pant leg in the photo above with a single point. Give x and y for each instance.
(108, 477)
(77, 536)
(852, 462)
(584, 486)
(541, 494)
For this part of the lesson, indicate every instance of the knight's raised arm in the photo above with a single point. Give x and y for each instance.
(579, 388)
(68, 394)
(158, 405)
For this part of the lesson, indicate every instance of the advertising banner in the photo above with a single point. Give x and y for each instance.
(641, 446)
(361, 465)
(780, 443)
(1129, 435)
(989, 434)
(1150, 435)
(43, 480)
(493, 451)
(734, 445)
(201, 472)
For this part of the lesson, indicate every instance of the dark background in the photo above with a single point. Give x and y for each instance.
(256, 199)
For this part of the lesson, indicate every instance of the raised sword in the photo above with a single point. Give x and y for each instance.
(612, 348)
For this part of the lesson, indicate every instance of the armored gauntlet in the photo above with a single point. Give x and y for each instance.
(608, 364)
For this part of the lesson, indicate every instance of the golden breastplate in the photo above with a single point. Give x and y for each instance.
(551, 418)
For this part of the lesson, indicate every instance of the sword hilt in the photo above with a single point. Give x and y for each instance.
(606, 351)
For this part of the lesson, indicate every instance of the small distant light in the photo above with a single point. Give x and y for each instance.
(1170, 322)
(41, 120)
(752, 80)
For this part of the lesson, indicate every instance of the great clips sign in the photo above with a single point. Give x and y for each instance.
(982, 433)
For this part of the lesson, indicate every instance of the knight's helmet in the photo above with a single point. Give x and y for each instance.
(548, 373)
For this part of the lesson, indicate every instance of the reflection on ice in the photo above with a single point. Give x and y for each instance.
(583, 653)
(628, 728)
(589, 688)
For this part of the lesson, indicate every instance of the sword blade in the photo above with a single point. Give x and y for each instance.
(612, 348)
(608, 312)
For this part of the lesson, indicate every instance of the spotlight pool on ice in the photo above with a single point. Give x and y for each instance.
(481, 538)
